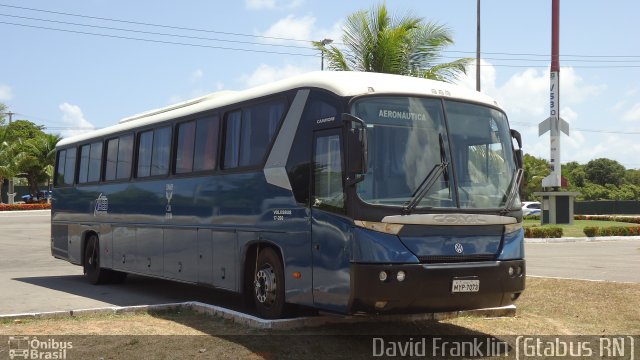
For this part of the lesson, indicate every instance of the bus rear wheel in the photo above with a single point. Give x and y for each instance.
(92, 270)
(269, 285)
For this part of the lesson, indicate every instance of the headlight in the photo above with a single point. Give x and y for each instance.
(387, 228)
(509, 228)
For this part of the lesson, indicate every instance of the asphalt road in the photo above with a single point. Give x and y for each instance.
(31, 280)
(617, 260)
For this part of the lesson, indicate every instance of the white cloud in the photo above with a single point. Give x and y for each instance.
(527, 93)
(265, 74)
(74, 118)
(632, 114)
(271, 4)
(260, 4)
(6, 93)
(196, 75)
(290, 27)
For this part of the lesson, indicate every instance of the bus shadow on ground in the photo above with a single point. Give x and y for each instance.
(138, 290)
(334, 341)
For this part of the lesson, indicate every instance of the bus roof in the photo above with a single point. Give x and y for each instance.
(342, 83)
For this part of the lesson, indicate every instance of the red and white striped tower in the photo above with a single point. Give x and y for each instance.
(554, 122)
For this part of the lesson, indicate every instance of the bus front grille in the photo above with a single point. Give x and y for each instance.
(435, 259)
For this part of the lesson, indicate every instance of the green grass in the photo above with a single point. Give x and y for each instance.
(575, 229)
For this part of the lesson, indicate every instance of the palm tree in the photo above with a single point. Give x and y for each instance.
(7, 158)
(376, 42)
(38, 159)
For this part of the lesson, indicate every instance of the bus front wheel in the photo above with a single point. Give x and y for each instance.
(92, 269)
(269, 285)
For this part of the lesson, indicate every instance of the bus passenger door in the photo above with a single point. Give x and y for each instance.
(329, 226)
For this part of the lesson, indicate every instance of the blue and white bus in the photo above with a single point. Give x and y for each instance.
(346, 192)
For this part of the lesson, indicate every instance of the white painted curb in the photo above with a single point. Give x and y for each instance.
(256, 322)
(580, 239)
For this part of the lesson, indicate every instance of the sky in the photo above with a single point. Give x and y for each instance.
(73, 65)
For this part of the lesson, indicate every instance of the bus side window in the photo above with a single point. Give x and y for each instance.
(249, 133)
(59, 178)
(70, 167)
(90, 162)
(328, 171)
(118, 161)
(197, 145)
(153, 152)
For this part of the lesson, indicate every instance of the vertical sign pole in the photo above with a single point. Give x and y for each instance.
(554, 124)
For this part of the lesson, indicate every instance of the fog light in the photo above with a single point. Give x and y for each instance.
(380, 304)
(400, 276)
(519, 271)
(383, 276)
(511, 270)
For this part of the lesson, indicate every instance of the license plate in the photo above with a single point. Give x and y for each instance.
(465, 286)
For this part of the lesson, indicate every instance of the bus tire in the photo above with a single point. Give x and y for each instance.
(268, 293)
(92, 270)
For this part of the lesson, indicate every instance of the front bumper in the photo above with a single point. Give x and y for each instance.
(428, 287)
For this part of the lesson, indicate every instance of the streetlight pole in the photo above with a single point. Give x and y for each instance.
(478, 48)
(324, 42)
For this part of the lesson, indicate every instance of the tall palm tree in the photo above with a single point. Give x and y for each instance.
(376, 42)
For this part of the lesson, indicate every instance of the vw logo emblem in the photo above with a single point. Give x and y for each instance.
(459, 248)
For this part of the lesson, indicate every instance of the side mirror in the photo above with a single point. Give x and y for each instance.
(519, 159)
(357, 151)
(518, 153)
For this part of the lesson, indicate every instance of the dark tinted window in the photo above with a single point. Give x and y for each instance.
(95, 161)
(232, 139)
(184, 151)
(206, 151)
(119, 154)
(197, 145)
(125, 154)
(60, 168)
(112, 160)
(161, 150)
(90, 160)
(83, 170)
(153, 152)
(249, 133)
(145, 144)
(70, 166)
(328, 190)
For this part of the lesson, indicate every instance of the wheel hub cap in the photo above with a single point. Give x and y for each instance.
(265, 284)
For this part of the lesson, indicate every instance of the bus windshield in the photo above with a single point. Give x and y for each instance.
(405, 137)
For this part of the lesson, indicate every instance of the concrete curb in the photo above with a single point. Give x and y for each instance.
(24, 212)
(580, 239)
(258, 323)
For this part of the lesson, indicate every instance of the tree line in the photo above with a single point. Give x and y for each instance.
(26, 151)
(598, 179)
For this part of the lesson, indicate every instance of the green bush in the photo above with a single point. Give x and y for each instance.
(542, 232)
(590, 231)
(632, 220)
(15, 207)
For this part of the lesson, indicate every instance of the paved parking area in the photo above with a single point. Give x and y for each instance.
(31, 280)
(593, 260)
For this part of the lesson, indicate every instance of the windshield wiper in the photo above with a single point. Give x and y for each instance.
(429, 180)
(513, 191)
